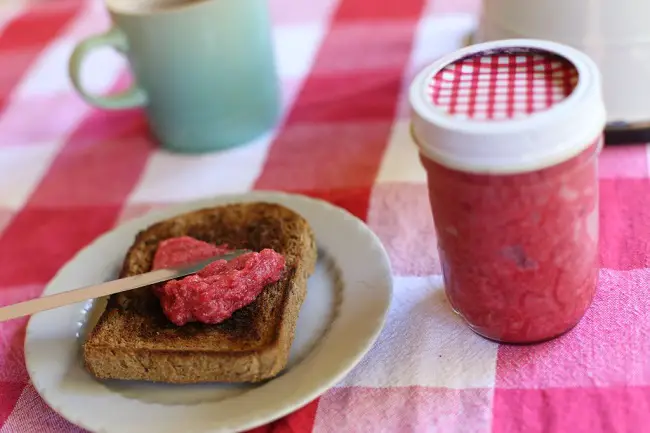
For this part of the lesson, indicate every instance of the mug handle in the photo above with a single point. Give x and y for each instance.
(132, 97)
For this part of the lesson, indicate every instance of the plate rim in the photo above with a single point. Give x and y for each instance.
(283, 198)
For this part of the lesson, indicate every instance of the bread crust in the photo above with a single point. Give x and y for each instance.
(133, 340)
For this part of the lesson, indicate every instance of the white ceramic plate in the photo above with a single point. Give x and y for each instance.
(345, 309)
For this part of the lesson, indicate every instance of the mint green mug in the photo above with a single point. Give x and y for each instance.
(204, 70)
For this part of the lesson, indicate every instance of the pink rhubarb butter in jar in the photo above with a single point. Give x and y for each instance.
(509, 134)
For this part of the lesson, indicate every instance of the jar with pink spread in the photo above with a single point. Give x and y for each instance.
(509, 133)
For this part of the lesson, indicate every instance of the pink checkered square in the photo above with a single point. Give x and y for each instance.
(624, 223)
(58, 115)
(12, 358)
(306, 151)
(12, 334)
(607, 348)
(374, 12)
(577, 410)
(54, 235)
(406, 409)
(498, 85)
(348, 97)
(20, 60)
(109, 149)
(400, 214)
(624, 162)
(352, 47)
(9, 395)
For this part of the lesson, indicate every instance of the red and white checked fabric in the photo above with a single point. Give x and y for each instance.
(501, 85)
(69, 172)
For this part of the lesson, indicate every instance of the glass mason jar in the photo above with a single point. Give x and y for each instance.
(509, 135)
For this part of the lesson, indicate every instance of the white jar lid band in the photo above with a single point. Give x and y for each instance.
(507, 106)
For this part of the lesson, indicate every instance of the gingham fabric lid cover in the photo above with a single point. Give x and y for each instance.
(502, 85)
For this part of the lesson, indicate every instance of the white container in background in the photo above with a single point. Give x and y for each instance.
(614, 33)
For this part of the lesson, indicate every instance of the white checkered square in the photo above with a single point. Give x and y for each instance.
(438, 348)
(296, 46)
(172, 177)
(401, 161)
(437, 35)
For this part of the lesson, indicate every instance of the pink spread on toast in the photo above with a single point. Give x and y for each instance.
(185, 249)
(213, 294)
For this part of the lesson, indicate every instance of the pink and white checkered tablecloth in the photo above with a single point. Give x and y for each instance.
(345, 66)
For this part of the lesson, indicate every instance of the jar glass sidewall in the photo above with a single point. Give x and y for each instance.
(519, 253)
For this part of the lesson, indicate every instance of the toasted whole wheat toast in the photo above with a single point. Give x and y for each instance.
(133, 340)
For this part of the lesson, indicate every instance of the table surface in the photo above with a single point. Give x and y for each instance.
(69, 173)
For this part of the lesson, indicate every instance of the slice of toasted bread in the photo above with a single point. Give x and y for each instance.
(133, 340)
